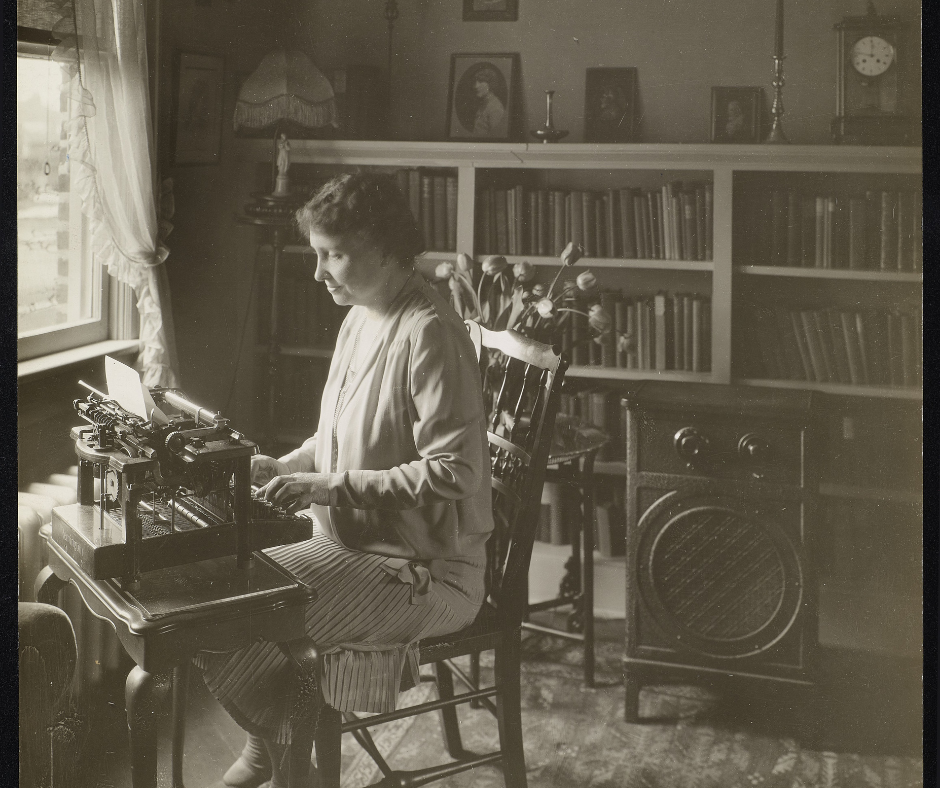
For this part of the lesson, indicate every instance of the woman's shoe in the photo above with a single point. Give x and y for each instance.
(252, 768)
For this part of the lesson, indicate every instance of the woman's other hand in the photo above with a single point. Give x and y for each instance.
(264, 468)
(297, 491)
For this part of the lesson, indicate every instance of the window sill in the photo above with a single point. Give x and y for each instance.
(65, 358)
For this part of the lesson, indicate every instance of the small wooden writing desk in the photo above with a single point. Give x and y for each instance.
(175, 613)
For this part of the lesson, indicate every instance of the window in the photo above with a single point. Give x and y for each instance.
(62, 296)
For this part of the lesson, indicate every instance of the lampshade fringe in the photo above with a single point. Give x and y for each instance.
(312, 114)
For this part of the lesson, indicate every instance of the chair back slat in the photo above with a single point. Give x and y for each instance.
(522, 381)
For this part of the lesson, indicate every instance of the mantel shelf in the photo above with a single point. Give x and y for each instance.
(698, 156)
(830, 273)
(617, 373)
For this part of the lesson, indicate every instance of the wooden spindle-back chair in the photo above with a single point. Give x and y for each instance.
(522, 381)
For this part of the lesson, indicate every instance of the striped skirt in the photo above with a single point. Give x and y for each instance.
(369, 612)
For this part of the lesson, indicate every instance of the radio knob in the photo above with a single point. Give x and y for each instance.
(753, 448)
(691, 445)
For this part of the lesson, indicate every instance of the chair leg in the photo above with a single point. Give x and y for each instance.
(509, 710)
(587, 578)
(475, 677)
(329, 739)
(450, 726)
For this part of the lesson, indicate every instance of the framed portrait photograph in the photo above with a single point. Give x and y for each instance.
(610, 105)
(736, 114)
(197, 125)
(490, 10)
(482, 96)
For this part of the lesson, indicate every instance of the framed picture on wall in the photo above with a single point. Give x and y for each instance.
(482, 98)
(197, 108)
(610, 105)
(490, 10)
(736, 114)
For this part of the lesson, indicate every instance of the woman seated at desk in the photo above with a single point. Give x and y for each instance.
(397, 477)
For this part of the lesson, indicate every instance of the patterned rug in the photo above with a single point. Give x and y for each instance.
(690, 737)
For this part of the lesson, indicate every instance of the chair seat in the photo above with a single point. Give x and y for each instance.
(483, 634)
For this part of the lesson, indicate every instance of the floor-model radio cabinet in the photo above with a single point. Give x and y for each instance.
(720, 512)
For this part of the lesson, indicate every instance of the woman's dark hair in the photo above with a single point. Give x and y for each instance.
(367, 205)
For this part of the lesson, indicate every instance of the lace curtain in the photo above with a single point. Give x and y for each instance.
(110, 136)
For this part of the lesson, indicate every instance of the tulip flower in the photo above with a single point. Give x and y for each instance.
(572, 253)
(599, 319)
(463, 264)
(586, 281)
(538, 290)
(523, 271)
(494, 264)
(545, 307)
(444, 271)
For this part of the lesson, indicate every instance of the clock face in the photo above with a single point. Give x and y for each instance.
(872, 56)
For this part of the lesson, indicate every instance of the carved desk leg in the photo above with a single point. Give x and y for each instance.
(180, 695)
(143, 692)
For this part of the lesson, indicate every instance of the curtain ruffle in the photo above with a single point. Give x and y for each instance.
(113, 177)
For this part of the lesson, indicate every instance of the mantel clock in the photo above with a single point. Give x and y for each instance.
(870, 71)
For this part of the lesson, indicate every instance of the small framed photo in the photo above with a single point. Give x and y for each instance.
(736, 114)
(482, 98)
(490, 10)
(198, 108)
(610, 105)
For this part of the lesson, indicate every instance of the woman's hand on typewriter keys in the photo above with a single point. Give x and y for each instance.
(264, 468)
(296, 492)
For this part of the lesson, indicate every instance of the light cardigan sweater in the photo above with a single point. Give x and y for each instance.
(411, 475)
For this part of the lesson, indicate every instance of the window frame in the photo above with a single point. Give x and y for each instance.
(41, 342)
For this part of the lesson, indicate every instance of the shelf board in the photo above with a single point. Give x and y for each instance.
(852, 492)
(609, 156)
(432, 255)
(610, 467)
(300, 350)
(884, 392)
(608, 262)
(616, 373)
(829, 273)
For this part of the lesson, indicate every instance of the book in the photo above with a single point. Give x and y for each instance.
(808, 231)
(688, 225)
(888, 259)
(895, 352)
(794, 249)
(502, 221)
(427, 210)
(558, 239)
(778, 227)
(858, 252)
(577, 218)
(621, 330)
(700, 222)
(518, 200)
(678, 332)
(799, 335)
(906, 231)
(825, 342)
(632, 357)
(451, 212)
(659, 331)
(840, 353)
(587, 221)
(600, 226)
(688, 336)
(609, 302)
(709, 221)
(698, 338)
(414, 194)
(813, 345)
(642, 230)
(610, 203)
(876, 335)
(439, 186)
(627, 225)
(853, 348)
(909, 351)
(820, 232)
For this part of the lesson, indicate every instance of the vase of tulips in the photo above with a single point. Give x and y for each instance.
(500, 296)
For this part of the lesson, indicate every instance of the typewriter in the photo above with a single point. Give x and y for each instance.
(163, 491)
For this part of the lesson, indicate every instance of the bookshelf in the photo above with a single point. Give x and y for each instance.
(737, 278)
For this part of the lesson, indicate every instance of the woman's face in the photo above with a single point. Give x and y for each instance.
(351, 268)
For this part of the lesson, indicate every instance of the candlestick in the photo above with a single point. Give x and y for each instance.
(548, 132)
(778, 39)
(776, 134)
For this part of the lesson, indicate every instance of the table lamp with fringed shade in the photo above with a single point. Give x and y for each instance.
(286, 93)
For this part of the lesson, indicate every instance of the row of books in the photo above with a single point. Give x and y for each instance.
(298, 387)
(432, 197)
(870, 231)
(667, 331)
(867, 347)
(600, 406)
(673, 222)
(307, 316)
